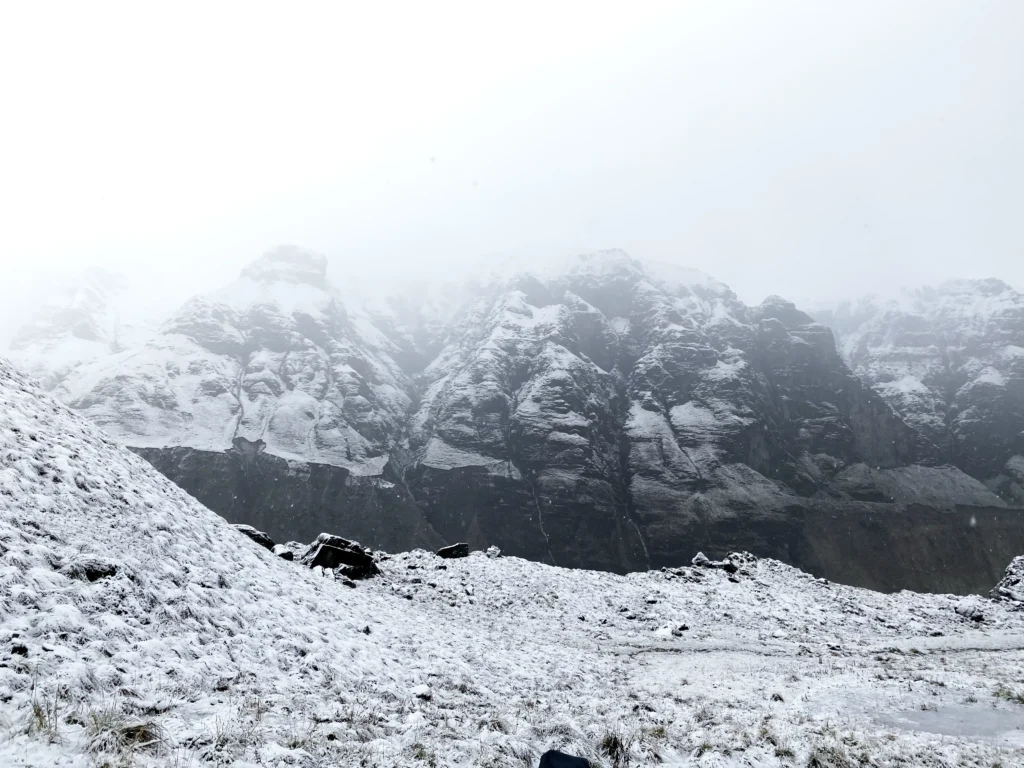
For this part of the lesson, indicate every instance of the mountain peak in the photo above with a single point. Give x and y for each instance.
(289, 264)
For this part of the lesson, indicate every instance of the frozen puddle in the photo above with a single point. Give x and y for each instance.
(974, 722)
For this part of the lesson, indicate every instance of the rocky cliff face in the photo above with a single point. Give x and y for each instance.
(606, 414)
(612, 416)
(950, 361)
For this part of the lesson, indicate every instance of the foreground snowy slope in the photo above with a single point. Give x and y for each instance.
(136, 626)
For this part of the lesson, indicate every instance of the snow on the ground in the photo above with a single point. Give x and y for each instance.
(139, 628)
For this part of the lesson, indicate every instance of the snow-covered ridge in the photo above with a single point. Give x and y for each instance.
(950, 360)
(272, 357)
(137, 625)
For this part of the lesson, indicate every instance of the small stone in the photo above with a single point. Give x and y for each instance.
(258, 536)
(493, 552)
(422, 692)
(365, 630)
(283, 552)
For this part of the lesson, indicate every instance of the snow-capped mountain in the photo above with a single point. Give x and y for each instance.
(138, 628)
(601, 413)
(950, 361)
(92, 316)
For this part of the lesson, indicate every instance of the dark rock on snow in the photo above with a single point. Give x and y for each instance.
(335, 553)
(283, 552)
(258, 536)
(555, 759)
(454, 551)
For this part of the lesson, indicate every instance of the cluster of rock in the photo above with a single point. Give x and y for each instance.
(1011, 586)
(348, 560)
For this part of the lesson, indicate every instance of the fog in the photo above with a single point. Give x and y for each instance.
(814, 150)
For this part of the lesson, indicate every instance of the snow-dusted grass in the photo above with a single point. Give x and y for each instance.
(138, 628)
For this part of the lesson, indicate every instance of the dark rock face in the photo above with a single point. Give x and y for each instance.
(610, 418)
(454, 551)
(258, 536)
(296, 500)
(950, 361)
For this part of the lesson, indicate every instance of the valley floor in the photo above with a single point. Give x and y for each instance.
(489, 662)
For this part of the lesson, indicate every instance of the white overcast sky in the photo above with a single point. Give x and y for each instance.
(807, 148)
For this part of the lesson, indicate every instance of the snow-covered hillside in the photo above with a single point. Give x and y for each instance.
(137, 627)
(950, 361)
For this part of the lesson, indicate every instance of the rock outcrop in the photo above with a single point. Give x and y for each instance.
(1011, 586)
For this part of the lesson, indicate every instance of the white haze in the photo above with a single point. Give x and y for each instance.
(815, 150)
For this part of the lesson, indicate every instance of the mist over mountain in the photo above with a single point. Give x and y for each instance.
(596, 411)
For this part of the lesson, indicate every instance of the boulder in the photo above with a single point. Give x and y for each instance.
(703, 561)
(347, 557)
(1011, 586)
(971, 608)
(283, 552)
(258, 536)
(493, 552)
(454, 551)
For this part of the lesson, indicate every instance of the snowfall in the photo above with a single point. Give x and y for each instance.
(139, 628)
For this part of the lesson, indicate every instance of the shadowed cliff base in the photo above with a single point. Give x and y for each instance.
(885, 547)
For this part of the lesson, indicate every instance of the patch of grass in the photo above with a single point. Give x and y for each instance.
(111, 732)
(657, 732)
(45, 718)
(424, 755)
(829, 757)
(1007, 694)
(784, 752)
(616, 747)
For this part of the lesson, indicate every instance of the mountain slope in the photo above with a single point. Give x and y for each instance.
(270, 401)
(950, 360)
(137, 626)
(611, 417)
